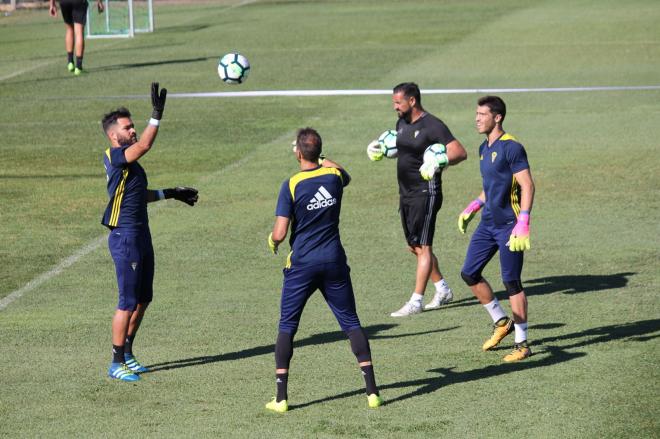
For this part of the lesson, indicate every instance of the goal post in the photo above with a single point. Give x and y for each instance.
(120, 19)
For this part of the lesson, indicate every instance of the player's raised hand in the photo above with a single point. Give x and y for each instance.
(519, 239)
(186, 194)
(157, 101)
(468, 213)
(272, 245)
(375, 151)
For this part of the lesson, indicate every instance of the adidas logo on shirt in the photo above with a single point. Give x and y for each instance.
(322, 198)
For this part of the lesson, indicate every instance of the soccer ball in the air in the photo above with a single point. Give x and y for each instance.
(434, 152)
(233, 68)
(387, 142)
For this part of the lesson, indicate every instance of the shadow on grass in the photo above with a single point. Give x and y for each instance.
(187, 28)
(109, 68)
(547, 356)
(570, 284)
(47, 176)
(269, 349)
(148, 64)
(576, 284)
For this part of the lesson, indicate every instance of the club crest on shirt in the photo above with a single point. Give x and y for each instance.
(493, 156)
(481, 157)
(416, 134)
(133, 265)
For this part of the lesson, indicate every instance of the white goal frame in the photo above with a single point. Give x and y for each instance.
(132, 29)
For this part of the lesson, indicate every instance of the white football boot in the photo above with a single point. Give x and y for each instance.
(408, 309)
(440, 298)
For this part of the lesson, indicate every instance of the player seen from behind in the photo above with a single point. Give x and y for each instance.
(310, 202)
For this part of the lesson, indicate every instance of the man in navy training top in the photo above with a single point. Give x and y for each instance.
(126, 217)
(420, 194)
(311, 202)
(507, 197)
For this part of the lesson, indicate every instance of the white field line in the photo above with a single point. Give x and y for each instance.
(433, 91)
(28, 69)
(59, 268)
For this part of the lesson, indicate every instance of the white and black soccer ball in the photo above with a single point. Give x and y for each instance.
(387, 142)
(433, 151)
(233, 68)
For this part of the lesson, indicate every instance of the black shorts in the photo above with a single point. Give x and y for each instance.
(418, 218)
(74, 11)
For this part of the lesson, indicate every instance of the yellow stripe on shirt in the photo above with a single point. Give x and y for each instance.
(293, 181)
(119, 195)
(507, 136)
(515, 202)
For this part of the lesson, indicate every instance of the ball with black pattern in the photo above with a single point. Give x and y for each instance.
(233, 68)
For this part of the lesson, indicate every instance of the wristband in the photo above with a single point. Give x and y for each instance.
(154, 122)
(523, 216)
(160, 195)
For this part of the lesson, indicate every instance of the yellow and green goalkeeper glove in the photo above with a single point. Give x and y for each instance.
(466, 216)
(519, 239)
(375, 151)
(435, 157)
(272, 245)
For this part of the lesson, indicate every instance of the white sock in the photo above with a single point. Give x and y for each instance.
(441, 286)
(416, 298)
(495, 310)
(521, 332)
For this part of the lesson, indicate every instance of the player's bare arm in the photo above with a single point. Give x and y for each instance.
(524, 179)
(456, 153)
(280, 229)
(327, 163)
(142, 146)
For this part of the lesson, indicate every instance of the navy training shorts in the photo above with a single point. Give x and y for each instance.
(485, 242)
(334, 282)
(133, 255)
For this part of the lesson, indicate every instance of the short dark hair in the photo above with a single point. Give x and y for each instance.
(495, 104)
(409, 90)
(309, 143)
(110, 119)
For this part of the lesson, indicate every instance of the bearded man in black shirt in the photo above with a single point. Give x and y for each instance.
(420, 190)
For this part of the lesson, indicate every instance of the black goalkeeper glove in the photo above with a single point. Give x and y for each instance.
(158, 101)
(186, 194)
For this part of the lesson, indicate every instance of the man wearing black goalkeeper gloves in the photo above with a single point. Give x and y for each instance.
(126, 217)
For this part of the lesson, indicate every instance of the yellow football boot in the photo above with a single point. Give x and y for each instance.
(520, 352)
(500, 330)
(279, 407)
(374, 401)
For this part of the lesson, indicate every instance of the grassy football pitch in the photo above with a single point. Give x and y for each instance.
(592, 275)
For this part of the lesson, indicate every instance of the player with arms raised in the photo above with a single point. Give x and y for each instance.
(507, 197)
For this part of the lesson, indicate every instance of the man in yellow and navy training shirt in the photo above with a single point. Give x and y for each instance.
(126, 217)
(310, 202)
(507, 197)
